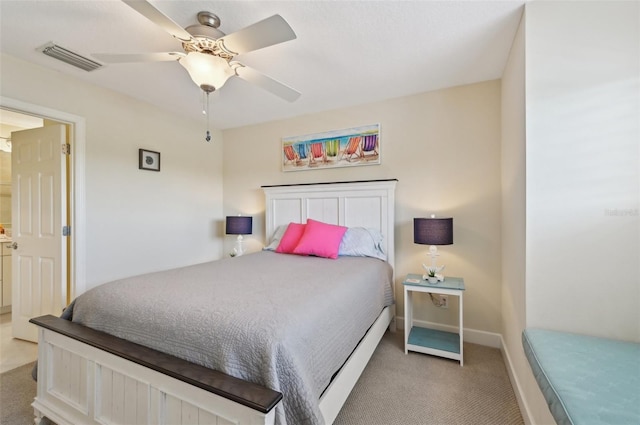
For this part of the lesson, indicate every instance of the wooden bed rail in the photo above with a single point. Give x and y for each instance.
(251, 395)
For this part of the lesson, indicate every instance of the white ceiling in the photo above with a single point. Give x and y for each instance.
(346, 52)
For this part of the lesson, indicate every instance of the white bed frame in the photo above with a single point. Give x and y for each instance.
(84, 382)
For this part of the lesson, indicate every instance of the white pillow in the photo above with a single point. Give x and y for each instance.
(362, 242)
(275, 239)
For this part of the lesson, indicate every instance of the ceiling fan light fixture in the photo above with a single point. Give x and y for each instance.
(207, 70)
(209, 53)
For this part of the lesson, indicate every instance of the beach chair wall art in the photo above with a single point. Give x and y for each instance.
(350, 147)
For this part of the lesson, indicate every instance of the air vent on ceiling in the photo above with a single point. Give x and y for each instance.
(67, 56)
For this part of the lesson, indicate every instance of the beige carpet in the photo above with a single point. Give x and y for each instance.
(395, 389)
(17, 390)
(417, 389)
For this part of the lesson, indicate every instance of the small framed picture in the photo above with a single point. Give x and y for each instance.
(148, 160)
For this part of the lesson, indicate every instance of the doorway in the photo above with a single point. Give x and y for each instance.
(73, 285)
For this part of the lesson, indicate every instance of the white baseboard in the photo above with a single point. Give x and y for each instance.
(515, 384)
(473, 336)
(488, 339)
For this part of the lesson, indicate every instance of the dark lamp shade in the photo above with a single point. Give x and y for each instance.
(239, 225)
(433, 231)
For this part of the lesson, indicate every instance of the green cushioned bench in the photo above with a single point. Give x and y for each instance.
(586, 380)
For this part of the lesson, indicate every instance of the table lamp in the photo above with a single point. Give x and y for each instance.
(239, 225)
(433, 231)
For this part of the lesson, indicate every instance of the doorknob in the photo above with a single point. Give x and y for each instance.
(13, 245)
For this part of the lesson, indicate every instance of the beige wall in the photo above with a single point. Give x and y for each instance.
(532, 404)
(574, 99)
(442, 146)
(136, 221)
(583, 167)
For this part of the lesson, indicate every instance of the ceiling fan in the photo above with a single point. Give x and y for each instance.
(208, 52)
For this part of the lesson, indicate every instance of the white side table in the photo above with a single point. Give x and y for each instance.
(432, 341)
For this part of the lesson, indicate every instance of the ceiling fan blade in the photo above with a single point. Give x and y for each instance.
(141, 57)
(163, 21)
(263, 33)
(267, 83)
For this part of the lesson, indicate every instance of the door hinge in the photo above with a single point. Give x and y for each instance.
(66, 230)
(66, 149)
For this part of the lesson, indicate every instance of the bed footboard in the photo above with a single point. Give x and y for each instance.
(90, 377)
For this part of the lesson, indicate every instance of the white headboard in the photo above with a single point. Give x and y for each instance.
(351, 204)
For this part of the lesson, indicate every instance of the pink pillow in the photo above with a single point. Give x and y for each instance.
(290, 238)
(320, 239)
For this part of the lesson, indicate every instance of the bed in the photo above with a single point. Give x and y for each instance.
(292, 360)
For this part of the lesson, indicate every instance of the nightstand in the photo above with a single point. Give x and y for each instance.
(432, 341)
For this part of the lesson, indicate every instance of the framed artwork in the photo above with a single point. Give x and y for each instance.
(148, 160)
(338, 148)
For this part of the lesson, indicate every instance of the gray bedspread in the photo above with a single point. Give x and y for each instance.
(283, 321)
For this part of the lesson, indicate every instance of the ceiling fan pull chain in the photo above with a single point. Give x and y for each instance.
(208, 136)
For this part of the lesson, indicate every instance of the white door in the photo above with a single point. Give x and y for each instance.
(39, 261)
